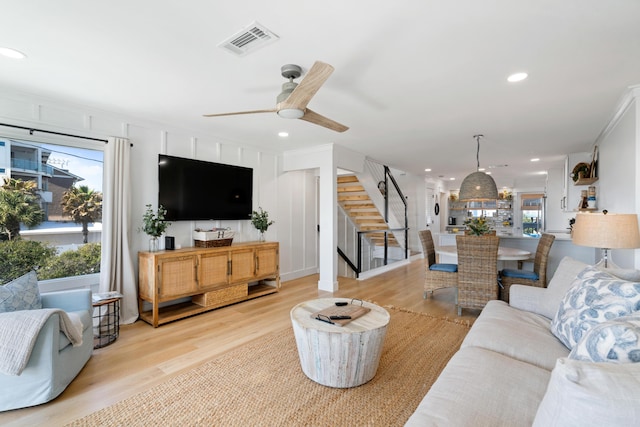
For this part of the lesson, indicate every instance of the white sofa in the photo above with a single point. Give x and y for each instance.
(512, 371)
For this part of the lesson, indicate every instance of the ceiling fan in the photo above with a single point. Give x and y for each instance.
(292, 101)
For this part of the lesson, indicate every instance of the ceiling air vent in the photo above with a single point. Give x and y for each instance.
(249, 39)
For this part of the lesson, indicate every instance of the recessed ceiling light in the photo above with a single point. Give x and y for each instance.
(452, 179)
(481, 169)
(12, 53)
(517, 77)
(488, 173)
(283, 134)
(427, 170)
(535, 159)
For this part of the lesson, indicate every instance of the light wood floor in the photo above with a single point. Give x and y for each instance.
(143, 356)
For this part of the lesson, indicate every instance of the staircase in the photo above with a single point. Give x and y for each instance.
(358, 205)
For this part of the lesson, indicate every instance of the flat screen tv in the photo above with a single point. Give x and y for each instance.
(198, 190)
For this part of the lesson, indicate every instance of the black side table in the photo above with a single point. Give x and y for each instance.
(106, 318)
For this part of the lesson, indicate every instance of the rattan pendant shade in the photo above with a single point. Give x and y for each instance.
(478, 185)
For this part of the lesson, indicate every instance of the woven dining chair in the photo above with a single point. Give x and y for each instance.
(537, 277)
(437, 276)
(477, 270)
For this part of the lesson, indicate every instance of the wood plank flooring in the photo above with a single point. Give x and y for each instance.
(143, 356)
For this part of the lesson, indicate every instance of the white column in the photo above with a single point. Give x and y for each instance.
(328, 226)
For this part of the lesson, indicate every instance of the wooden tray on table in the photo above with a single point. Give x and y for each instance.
(352, 310)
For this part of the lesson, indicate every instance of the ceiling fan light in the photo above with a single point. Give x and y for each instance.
(291, 113)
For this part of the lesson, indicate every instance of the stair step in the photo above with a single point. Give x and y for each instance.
(351, 189)
(374, 214)
(347, 178)
(353, 197)
(360, 205)
(373, 221)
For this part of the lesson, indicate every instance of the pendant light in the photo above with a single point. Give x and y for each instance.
(478, 185)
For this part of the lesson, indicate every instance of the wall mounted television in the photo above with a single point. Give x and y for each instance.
(199, 190)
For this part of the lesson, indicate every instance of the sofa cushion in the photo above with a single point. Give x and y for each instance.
(479, 387)
(616, 340)
(519, 334)
(591, 394)
(545, 301)
(594, 297)
(21, 294)
(623, 273)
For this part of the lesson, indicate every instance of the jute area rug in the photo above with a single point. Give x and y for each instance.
(262, 384)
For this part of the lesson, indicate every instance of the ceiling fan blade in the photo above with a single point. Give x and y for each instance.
(271, 110)
(308, 87)
(315, 118)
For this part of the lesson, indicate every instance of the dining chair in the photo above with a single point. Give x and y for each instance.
(437, 276)
(537, 277)
(477, 270)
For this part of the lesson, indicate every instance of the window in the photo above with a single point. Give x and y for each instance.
(66, 184)
(532, 213)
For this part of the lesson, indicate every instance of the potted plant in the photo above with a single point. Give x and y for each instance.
(478, 226)
(154, 225)
(260, 221)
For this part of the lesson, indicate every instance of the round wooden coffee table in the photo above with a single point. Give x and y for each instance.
(334, 355)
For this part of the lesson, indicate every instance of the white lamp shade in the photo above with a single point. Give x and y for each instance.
(610, 231)
(478, 186)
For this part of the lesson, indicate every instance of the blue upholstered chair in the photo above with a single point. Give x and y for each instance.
(536, 277)
(54, 362)
(437, 276)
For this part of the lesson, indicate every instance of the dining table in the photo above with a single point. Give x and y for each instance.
(449, 254)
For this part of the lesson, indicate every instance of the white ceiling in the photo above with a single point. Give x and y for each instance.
(414, 80)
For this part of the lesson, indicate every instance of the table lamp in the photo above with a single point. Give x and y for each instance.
(607, 231)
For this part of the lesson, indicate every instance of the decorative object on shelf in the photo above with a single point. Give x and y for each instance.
(154, 225)
(478, 226)
(581, 170)
(260, 221)
(505, 195)
(593, 168)
(606, 231)
(213, 238)
(591, 197)
(478, 185)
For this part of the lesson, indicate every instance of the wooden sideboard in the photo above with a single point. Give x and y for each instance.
(210, 277)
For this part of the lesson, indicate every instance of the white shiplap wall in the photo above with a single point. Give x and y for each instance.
(289, 197)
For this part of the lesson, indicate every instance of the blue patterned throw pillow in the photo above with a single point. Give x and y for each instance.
(593, 298)
(616, 340)
(21, 294)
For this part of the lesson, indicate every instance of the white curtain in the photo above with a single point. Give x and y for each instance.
(116, 267)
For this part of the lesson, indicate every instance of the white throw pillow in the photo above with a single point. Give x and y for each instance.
(594, 297)
(591, 394)
(616, 341)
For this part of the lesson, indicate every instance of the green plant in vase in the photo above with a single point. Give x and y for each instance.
(478, 226)
(154, 225)
(260, 221)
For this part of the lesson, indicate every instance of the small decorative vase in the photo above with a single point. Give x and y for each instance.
(153, 244)
(261, 238)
